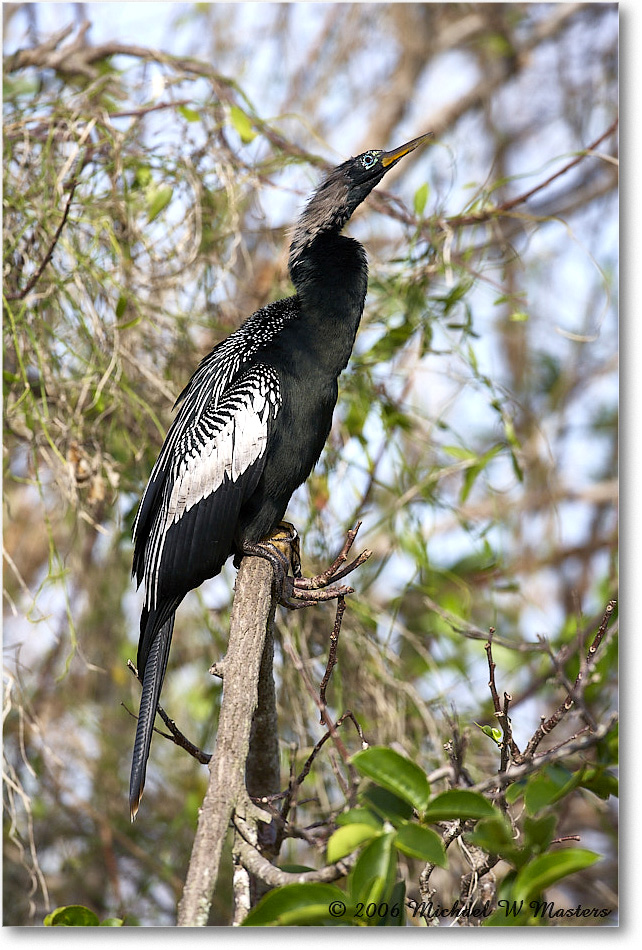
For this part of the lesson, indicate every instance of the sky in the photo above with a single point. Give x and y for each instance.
(154, 24)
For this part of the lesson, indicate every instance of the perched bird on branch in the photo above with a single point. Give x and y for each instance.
(251, 425)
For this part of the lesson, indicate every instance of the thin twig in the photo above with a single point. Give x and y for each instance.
(576, 743)
(483, 216)
(326, 719)
(31, 283)
(297, 780)
(508, 744)
(334, 643)
(348, 714)
(549, 724)
(144, 110)
(175, 735)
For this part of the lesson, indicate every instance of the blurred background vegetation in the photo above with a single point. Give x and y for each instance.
(155, 156)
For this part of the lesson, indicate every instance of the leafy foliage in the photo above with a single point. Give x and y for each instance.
(383, 840)
(146, 205)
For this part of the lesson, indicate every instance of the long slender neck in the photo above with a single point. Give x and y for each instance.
(330, 273)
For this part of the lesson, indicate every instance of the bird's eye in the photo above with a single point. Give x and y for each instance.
(369, 159)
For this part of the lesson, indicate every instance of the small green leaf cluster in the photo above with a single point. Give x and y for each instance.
(534, 866)
(392, 819)
(75, 915)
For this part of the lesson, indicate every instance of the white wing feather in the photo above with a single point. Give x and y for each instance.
(223, 442)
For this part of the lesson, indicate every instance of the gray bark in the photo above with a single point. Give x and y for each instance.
(226, 796)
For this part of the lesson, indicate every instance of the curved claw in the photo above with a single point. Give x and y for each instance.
(282, 550)
(274, 555)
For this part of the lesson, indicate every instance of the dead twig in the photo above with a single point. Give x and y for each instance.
(35, 277)
(508, 745)
(482, 216)
(334, 643)
(296, 781)
(174, 735)
(549, 724)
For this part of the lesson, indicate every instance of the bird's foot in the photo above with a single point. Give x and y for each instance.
(307, 591)
(282, 550)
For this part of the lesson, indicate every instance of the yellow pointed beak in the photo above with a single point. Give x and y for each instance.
(388, 159)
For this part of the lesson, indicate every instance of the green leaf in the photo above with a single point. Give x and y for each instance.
(73, 915)
(518, 316)
(495, 836)
(359, 816)
(459, 452)
(547, 869)
(494, 734)
(548, 787)
(298, 905)
(111, 922)
(419, 842)
(241, 122)
(515, 791)
(539, 832)
(600, 782)
(420, 199)
(142, 177)
(396, 773)
(121, 305)
(347, 839)
(470, 475)
(373, 876)
(396, 916)
(388, 806)
(157, 198)
(190, 114)
(459, 803)
(391, 341)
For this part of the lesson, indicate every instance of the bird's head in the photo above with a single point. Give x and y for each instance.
(342, 192)
(366, 170)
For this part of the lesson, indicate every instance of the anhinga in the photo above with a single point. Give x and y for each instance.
(252, 422)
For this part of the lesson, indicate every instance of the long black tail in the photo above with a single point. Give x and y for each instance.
(157, 641)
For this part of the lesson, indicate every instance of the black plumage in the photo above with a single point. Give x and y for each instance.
(251, 425)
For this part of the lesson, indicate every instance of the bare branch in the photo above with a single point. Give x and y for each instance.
(334, 643)
(549, 724)
(33, 280)
(252, 611)
(275, 877)
(508, 745)
(507, 206)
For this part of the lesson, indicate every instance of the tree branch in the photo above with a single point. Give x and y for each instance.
(252, 613)
(262, 776)
(35, 277)
(486, 214)
(275, 877)
(549, 724)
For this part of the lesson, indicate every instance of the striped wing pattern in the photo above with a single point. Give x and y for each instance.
(227, 440)
(197, 429)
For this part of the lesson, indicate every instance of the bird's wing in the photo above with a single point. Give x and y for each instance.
(190, 509)
(229, 357)
(216, 373)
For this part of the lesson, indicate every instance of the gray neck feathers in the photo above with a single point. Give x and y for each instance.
(327, 211)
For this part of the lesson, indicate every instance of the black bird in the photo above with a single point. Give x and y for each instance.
(252, 422)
